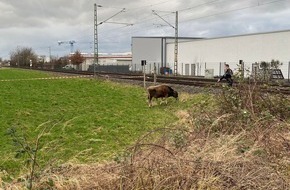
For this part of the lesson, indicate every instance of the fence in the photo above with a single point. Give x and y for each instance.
(194, 69)
(149, 68)
(210, 69)
(110, 68)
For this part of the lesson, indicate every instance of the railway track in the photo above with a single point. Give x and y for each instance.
(179, 80)
(212, 83)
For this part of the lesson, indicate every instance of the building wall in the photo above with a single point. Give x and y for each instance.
(151, 49)
(148, 49)
(208, 53)
(124, 62)
(85, 65)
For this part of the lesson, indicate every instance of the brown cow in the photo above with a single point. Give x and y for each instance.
(160, 91)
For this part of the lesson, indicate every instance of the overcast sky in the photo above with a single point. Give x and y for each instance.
(40, 24)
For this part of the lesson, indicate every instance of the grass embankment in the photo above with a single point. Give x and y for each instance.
(92, 120)
(239, 139)
(10, 74)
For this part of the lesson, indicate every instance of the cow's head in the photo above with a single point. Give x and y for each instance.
(175, 95)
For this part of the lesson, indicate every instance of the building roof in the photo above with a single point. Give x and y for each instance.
(218, 37)
(108, 56)
(251, 34)
(168, 37)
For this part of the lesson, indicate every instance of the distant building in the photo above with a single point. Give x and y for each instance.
(107, 59)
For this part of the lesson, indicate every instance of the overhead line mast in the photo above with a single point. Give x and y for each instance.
(176, 44)
(175, 38)
(96, 48)
(96, 24)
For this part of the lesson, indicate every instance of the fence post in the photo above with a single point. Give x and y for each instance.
(242, 68)
(154, 73)
(144, 76)
(143, 64)
(181, 68)
(289, 71)
(220, 70)
(255, 70)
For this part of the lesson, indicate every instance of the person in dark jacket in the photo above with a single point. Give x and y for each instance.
(228, 75)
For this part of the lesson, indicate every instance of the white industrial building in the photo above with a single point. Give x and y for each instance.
(153, 50)
(195, 56)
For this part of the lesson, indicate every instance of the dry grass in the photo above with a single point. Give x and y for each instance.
(187, 158)
(204, 163)
(208, 148)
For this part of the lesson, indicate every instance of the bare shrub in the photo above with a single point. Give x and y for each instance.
(245, 160)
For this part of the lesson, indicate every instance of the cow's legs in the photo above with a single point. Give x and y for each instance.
(149, 100)
(166, 99)
(161, 101)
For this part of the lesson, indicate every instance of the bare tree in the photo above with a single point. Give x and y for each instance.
(22, 57)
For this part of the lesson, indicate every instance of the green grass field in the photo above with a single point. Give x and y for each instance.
(20, 74)
(92, 120)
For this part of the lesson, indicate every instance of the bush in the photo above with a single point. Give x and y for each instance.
(250, 101)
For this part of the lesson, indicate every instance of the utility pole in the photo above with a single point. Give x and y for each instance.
(96, 40)
(176, 44)
(96, 43)
(175, 38)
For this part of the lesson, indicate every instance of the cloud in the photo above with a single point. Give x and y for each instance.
(39, 24)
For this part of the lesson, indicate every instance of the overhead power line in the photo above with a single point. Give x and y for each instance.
(123, 10)
(206, 16)
(149, 5)
(176, 37)
(155, 13)
(147, 25)
(197, 6)
(135, 9)
(233, 10)
(142, 21)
